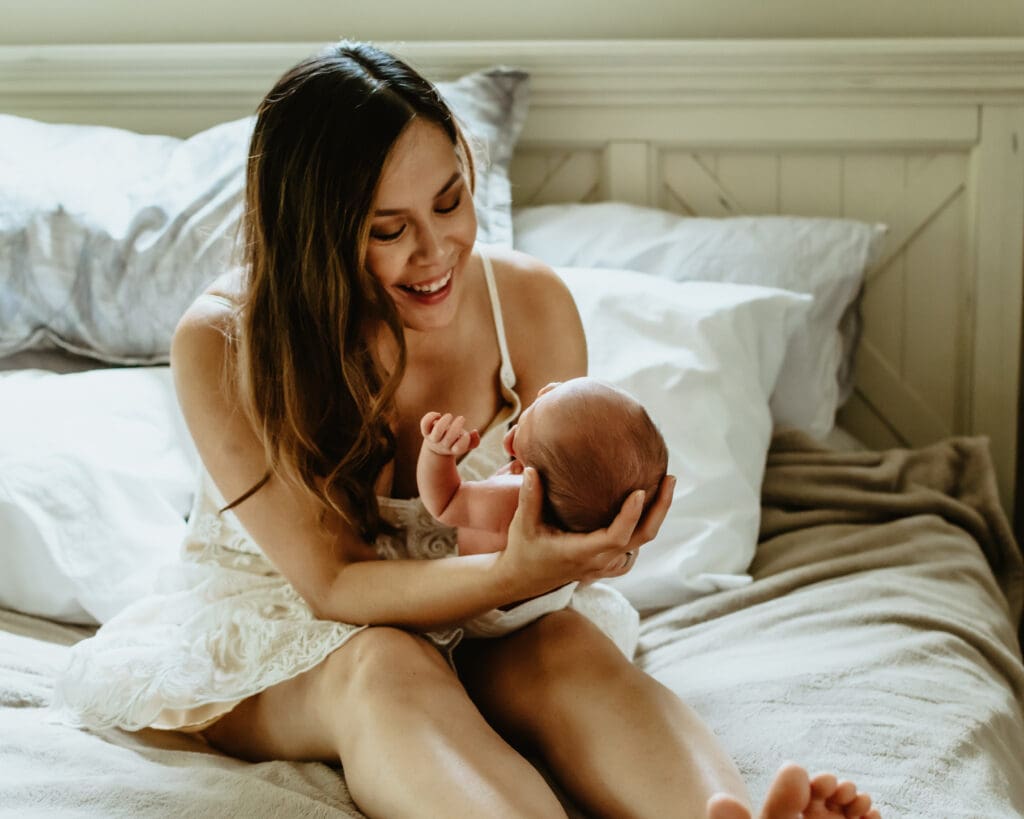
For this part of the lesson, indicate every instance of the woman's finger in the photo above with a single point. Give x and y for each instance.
(651, 522)
(531, 500)
(621, 564)
(620, 531)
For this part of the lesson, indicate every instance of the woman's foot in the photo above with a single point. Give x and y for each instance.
(794, 795)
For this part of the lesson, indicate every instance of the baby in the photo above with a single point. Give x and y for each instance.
(592, 445)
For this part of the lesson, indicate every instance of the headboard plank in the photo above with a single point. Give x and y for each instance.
(998, 250)
(626, 172)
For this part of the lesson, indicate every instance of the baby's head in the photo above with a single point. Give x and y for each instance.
(592, 445)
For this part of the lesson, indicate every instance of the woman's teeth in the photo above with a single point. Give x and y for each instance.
(433, 287)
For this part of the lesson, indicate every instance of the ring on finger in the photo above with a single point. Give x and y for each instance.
(629, 558)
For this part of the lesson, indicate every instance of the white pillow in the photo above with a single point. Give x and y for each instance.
(703, 359)
(826, 258)
(97, 472)
(106, 235)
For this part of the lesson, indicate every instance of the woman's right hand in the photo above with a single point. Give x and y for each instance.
(539, 557)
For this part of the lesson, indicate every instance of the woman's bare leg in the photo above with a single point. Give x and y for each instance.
(411, 741)
(618, 741)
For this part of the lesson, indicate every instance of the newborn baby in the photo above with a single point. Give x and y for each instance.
(592, 445)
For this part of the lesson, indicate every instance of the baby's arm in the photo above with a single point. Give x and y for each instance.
(488, 505)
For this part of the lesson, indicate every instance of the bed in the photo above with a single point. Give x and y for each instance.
(805, 257)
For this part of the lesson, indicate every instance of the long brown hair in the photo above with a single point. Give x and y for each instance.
(307, 365)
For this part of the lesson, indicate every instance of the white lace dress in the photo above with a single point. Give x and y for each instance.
(224, 624)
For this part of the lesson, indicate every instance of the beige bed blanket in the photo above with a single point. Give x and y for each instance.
(879, 639)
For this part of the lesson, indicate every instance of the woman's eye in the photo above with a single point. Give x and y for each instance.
(387, 237)
(449, 208)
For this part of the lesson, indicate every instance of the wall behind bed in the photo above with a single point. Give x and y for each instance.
(126, 21)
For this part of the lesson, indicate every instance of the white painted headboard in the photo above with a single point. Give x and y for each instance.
(925, 135)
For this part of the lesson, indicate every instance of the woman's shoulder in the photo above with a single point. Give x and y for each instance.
(206, 330)
(543, 328)
(526, 283)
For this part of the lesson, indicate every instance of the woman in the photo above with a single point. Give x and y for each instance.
(362, 303)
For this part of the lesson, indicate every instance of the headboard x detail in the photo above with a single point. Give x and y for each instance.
(924, 135)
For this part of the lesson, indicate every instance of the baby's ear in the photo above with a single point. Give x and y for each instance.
(516, 467)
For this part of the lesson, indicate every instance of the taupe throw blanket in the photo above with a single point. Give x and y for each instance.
(879, 637)
(807, 486)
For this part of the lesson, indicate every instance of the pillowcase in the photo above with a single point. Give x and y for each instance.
(106, 236)
(702, 357)
(825, 258)
(97, 472)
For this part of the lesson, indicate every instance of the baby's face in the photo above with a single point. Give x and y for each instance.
(517, 439)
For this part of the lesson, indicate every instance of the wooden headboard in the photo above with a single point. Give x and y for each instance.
(924, 135)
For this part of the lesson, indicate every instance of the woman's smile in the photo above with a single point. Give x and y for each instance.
(430, 291)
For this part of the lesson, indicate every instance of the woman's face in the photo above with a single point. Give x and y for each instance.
(422, 227)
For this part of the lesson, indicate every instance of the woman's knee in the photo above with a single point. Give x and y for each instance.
(567, 645)
(551, 661)
(384, 662)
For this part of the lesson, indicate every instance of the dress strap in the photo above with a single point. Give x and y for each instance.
(508, 375)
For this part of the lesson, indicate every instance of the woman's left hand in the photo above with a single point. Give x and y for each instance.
(538, 553)
(645, 530)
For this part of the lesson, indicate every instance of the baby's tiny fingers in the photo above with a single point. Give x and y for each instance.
(427, 422)
(440, 428)
(455, 431)
(461, 446)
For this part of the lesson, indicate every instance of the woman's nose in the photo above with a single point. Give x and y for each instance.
(430, 247)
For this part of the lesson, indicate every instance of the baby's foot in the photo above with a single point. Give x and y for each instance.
(793, 795)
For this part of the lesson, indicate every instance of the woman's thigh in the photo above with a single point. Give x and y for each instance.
(530, 681)
(315, 715)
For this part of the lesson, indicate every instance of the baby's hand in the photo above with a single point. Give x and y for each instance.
(445, 435)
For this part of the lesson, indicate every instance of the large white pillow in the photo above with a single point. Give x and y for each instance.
(97, 472)
(703, 358)
(825, 258)
(107, 235)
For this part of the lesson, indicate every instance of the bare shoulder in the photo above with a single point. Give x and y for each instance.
(203, 351)
(526, 282)
(543, 327)
(205, 330)
(202, 339)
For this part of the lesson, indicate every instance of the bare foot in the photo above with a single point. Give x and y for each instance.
(794, 795)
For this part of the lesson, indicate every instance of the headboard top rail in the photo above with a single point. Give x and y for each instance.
(898, 70)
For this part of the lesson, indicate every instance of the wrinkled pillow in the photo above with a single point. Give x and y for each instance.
(107, 235)
(825, 258)
(703, 358)
(97, 472)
